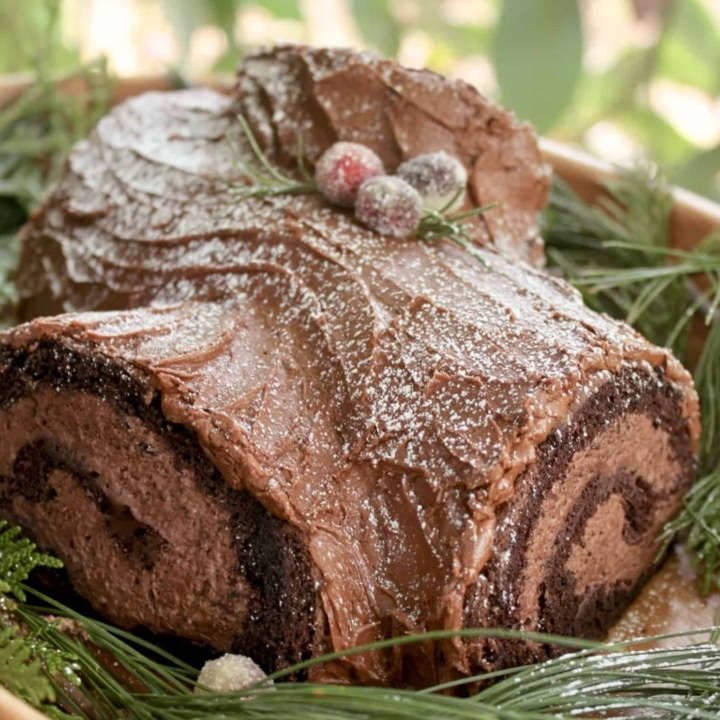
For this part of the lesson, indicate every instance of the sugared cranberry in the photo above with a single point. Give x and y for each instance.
(343, 168)
(231, 672)
(389, 206)
(438, 177)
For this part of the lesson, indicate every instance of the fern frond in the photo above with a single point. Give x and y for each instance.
(21, 671)
(18, 558)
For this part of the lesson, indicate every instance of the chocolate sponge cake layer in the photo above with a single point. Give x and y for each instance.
(424, 437)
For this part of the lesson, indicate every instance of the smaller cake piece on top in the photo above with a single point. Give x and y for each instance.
(334, 95)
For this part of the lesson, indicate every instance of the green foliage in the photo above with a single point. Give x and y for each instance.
(261, 178)
(618, 259)
(600, 95)
(377, 25)
(18, 557)
(185, 16)
(698, 172)
(21, 671)
(649, 128)
(223, 13)
(699, 522)
(29, 662)
(538, 58)
(289, 9)
(36, 133)
(690, 51)
(33, 668)
(449, 40)
(29, 34)
(38, 129)
(617, 254)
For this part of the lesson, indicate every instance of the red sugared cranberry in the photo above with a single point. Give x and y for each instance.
(438, 177)
(343, 168)
(389, 206)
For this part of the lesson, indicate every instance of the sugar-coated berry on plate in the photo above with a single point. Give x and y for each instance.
(388, 205)
(343, 168)
(230, 672)
(438, 177)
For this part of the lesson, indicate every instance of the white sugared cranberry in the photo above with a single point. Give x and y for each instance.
(343, 168)
(438, 177)
(389, 206)
(230, 672)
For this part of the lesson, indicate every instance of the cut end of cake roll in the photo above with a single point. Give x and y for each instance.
(580, 537)
(149, 532)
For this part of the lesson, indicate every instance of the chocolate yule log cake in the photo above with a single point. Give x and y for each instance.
(266, 428)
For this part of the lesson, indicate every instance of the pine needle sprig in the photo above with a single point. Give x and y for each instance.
(699, 521)
(28, 661)
(114, 666)
(619, 677)
(261, 177)
(595, 679)
(707, 383)
(34, 667)
(616, 253)
(437, 225)
(21, 671)
(37, 131)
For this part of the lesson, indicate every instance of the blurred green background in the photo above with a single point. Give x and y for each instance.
(622, 78)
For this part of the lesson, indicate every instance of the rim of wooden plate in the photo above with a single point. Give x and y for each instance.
(692, 218)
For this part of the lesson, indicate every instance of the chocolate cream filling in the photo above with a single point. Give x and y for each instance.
(145, 525)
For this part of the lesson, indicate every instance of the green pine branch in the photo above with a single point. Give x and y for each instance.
(21, 671)
(595, 680)
(37, 131)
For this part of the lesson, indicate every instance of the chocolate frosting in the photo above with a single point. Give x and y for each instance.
(380, 395)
